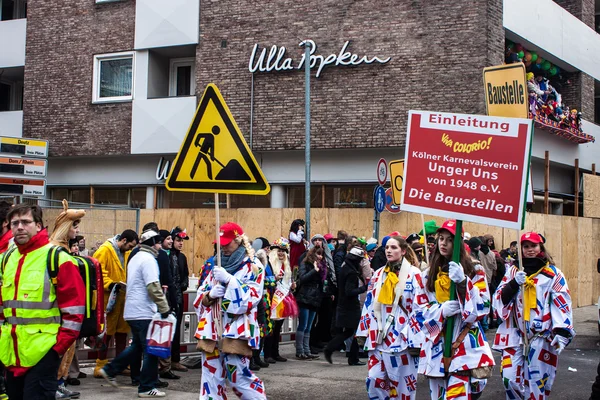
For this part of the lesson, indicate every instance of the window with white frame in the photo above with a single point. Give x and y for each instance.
(182, 76)
(113, 77)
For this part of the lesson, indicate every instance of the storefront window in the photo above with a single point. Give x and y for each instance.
(349, 196)
(296, 197)
(111, 196)
(249, 201)
(138, 197)
(80, 195)
(59, 194)
(169, 199)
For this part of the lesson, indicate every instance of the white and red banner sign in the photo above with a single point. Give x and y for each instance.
(469, 167)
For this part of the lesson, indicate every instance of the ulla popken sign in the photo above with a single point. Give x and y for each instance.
(469, 167)
(275, 59)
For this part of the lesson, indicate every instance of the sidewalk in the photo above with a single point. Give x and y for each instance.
(298, 380)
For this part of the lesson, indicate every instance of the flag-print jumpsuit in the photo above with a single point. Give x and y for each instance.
(239, 321)
(392, 370)
(473, 352)
(531, 375)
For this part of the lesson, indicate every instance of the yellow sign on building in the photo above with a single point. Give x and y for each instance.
(214, 157)
(505, 89)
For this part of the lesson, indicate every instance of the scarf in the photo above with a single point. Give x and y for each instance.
(442, 287)
(232, 262)
(113, 241)
(386, 295)
(149, 249)
(529, 294)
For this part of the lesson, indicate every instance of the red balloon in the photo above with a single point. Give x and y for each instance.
(518, 47)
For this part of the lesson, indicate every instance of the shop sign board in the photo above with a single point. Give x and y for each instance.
(469, 167)
(214, 156)
(20, 187)
(23, 146)
(23, 166)
(506, 92)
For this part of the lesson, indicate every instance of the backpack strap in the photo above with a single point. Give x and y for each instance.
(7, 254)
(53, 262)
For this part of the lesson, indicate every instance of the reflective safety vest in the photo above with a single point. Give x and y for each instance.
(30, 308)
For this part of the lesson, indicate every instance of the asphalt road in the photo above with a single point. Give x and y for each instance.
(299, 380)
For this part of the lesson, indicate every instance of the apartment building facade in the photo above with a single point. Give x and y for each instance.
(113, 86)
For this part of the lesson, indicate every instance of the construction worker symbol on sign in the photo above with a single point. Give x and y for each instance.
(214, 156)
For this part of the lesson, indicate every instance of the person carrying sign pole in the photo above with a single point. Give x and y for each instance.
(462, 375)
(534, 301)
(227, 334)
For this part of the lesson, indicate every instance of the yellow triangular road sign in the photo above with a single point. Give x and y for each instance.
(214, 157)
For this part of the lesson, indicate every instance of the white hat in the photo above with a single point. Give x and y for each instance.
(357, 251)
(149, 234)
(466, 236)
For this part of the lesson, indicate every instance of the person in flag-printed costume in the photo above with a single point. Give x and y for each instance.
(387, 326)
(470, 350)
(238, 284)
(536, 302)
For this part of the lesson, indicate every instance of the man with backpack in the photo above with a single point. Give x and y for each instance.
(41, 318)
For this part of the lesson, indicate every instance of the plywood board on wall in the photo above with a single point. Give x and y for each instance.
(591, 196)
(595, 250)
(570, 257)
(587, 265)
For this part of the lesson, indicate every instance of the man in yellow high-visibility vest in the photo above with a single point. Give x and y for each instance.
(40, 317)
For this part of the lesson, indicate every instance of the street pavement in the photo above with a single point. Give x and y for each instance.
(299, 380)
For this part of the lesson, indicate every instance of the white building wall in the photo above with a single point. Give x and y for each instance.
(12, 43)
(553, 29)
(160, 23)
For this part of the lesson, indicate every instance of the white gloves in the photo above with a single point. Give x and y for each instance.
(217, 291)
(520, 277)
(449, 308)
(559, 343)
(456, 272)
(221, 275)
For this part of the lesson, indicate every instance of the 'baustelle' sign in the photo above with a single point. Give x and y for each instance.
(275, 59)
(469, 167)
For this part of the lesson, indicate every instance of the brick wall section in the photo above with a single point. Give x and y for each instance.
(62, 38)
(438, 50)
(581, 96)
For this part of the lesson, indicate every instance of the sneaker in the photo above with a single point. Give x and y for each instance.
(112, 381)
(67, 392)
(152, 393)
(60, 395)
(313, 356)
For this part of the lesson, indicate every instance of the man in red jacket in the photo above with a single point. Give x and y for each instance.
(5, 232)
(41, 317)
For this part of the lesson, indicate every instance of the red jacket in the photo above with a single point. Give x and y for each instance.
(70, 295)
(5, 241)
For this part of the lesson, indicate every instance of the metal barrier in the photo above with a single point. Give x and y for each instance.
(188, 330)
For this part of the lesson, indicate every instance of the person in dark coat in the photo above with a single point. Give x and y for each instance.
(350, 285)
(179, 261)
(309, 293)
